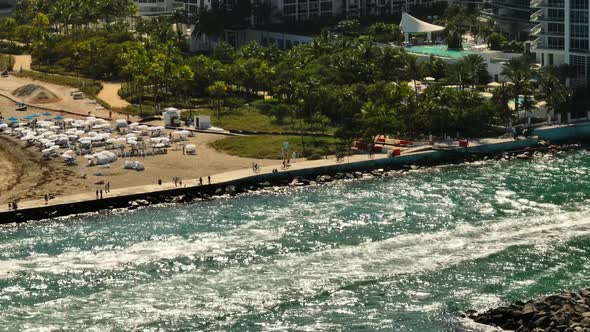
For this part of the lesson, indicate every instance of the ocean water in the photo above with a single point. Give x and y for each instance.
(403, 253)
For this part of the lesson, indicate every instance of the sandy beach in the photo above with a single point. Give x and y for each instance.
(25, 176)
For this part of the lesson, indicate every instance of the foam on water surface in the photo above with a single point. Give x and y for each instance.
(406, 253)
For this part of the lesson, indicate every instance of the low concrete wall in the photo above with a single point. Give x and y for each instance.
(420, 158)
(564, 133)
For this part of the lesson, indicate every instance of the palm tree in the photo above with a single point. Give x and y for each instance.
(218, 90)
(460, 74)
(518, 71)
(210, 24)
(414, 71)
(376, 121)
(501, 97)
(555, 92)
(476, 67)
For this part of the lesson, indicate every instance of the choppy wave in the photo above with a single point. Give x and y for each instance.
(261, 288)
(403, 252)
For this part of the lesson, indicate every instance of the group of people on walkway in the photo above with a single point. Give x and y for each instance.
(12, 205)
(177, 181)
(107, 189)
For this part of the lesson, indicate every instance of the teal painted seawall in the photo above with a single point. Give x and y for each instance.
(563, 133)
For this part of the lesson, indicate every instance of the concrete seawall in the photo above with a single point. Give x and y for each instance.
(564, 133)
(241, 179)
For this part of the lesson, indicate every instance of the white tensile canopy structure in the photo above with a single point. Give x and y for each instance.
(410, 24)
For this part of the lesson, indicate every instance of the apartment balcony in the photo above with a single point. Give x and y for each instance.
(539, 44)
(540, 31)
(543, 18)
(511, 4)
(546, 4)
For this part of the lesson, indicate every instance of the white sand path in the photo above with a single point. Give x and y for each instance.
(110, 94)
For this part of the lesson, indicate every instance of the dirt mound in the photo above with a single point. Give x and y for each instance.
(35, 94)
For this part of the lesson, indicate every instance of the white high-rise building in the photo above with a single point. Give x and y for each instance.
(561, 36)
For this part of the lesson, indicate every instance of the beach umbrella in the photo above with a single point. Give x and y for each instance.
(35, 115)
(12, 118)
(46, 113)
(59, 117)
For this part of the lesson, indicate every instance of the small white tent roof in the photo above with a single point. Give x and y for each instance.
(410, 24)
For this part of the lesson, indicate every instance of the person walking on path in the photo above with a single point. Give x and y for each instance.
(108, 187)
(101, 194)
(96, 193)
(209, 179)
(200, 181)
(46, 199)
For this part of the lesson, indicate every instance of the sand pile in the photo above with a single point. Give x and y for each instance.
(35, 94)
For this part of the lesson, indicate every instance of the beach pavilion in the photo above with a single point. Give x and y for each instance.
(409, 24)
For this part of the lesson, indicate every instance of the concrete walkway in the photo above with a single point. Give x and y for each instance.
(243, 173)
(190, 183)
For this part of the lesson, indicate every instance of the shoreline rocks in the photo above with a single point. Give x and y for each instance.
(564, 312)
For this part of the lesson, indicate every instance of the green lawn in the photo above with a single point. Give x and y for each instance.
(269, 147)
(245, 118)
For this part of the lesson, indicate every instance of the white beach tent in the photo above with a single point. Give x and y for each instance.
(191, 149)
(409, 24)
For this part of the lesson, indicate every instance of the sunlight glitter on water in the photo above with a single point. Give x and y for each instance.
(406, 253)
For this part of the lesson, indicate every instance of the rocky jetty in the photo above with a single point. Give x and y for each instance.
(565, 312)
